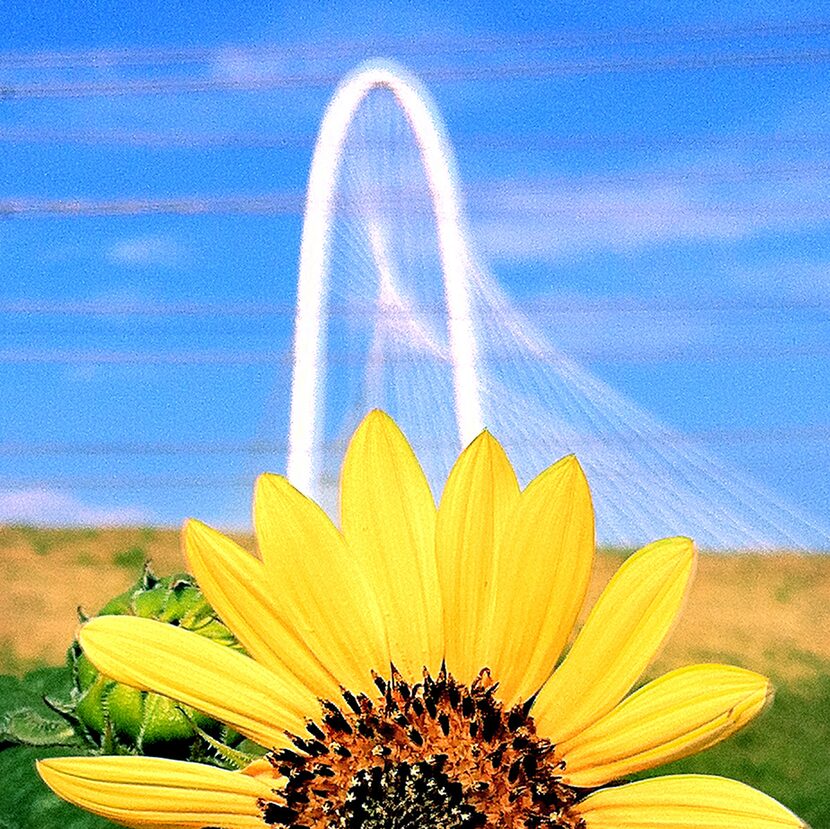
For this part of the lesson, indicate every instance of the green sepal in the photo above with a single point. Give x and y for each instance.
(119, 719)
(236, 758)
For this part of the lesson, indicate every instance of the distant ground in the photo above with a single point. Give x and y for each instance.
(767, 612)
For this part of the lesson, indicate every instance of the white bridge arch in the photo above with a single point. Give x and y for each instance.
(310, 333)
(483, 362)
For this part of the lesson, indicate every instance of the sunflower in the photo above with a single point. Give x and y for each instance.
(400, 670)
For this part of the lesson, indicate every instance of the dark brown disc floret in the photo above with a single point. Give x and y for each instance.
(436, 754)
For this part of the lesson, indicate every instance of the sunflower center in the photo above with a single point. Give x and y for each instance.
(435, 755)
(405, 796)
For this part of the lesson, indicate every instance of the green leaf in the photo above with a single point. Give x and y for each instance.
(27, 803)
(13, 695)
(25, 800)
(25, 719)
(55, 683)
(28, 727)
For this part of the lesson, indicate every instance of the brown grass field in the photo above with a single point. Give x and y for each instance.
(766, 612)
(769, 613)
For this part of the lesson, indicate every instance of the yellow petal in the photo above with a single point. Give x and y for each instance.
(685, 801)
(150, 791)
(239, 588)
(678, 714)
(480, 494)
(318, 585)
(543, 569)
(189, 668)
(388, 519)
(623, 632)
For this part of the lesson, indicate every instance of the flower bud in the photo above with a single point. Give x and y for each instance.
(119, 719)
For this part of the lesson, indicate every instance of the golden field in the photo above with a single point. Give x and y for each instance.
(766, 612)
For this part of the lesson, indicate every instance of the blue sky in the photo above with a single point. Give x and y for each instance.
(654, 188)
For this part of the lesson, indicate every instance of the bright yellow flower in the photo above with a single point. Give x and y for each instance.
(462, 612)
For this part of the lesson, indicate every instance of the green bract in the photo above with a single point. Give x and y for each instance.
(120, 719)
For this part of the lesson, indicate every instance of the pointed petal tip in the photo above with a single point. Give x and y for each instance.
(574, 467)
(687, 548)
(262, 482)
(572, 464)
(53, 769)
(270, 494)
(48, 770)
(376, 426)
(570, 460)
(274, 493)
(679, 549)
(265, 479)
(689, 553)
(377, 418)
(567, 469)
(485, 437)
(486, 442)
(194, 528)
(378, 432)
(90, 630)
(196, 540)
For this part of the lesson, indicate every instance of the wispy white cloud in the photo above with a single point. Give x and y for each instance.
(48, 507)
(245, 64)
(144, 251)
(537, 222)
